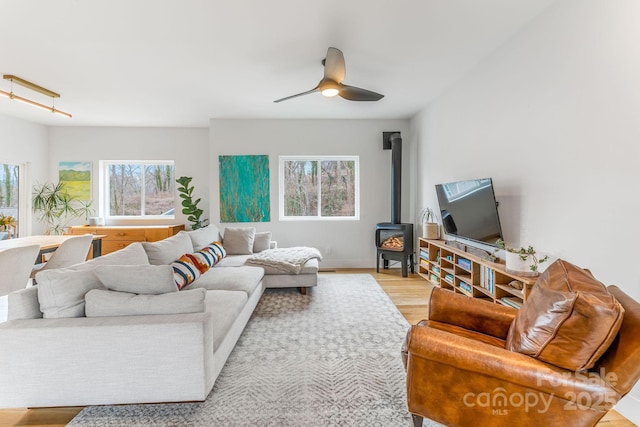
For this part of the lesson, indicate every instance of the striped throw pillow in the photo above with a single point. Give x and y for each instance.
(189, 267)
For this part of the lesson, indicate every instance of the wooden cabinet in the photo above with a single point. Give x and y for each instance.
(118, 237)
(461, 272)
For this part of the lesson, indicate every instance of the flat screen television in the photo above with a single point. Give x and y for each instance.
(469, 210)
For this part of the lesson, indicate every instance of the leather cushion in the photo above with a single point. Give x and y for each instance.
(568, 320)
(462, 332)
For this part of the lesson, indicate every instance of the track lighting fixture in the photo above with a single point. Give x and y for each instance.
(36, 88)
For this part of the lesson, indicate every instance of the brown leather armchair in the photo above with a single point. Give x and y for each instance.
(460, 374)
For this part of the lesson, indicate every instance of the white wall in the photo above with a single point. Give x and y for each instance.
(553, 117)
(25, 142)
(188, 147)
(343, 243)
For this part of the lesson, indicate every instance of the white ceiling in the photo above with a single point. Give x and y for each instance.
(182, 62)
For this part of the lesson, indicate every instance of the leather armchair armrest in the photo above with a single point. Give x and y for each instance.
(470, 313)
(499, 366)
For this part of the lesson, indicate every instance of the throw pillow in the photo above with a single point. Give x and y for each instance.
(204, 236)
(189, 267)
(137, 279)
(568, 320)
(102, 303)
(218, 250)
(23, 304)
(61, 291)
(133, 254)
(239, 241)
(262, 241)
(165, 251)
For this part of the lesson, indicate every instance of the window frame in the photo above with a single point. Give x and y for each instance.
(104, 190)
(24, 201)
(319, 217)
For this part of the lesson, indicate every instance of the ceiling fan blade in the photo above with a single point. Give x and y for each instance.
(353, 93)
(334, 68)
(315, 89)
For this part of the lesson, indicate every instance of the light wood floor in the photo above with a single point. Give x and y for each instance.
(408, 294)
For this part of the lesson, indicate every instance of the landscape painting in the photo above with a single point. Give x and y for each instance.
(76, 177)
(244, 188)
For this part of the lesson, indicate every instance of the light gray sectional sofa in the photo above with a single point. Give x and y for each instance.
(82, 335)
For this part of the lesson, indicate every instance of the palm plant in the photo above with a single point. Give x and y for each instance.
(56, 208)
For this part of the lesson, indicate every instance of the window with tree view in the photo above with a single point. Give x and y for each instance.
(319, 187)
(9, 199)
(137, 189)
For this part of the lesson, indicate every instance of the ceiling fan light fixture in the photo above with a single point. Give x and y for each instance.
(330, 92)
(331, 84)
(329, 88)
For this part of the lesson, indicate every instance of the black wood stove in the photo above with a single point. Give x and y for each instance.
(394, 240)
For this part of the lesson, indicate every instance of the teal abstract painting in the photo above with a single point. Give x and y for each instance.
(244, 188)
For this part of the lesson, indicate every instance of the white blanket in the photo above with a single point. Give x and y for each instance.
(284, 260)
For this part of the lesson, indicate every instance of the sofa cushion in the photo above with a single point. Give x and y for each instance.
(244, 279)
(239, 240)
(225, 306)
(137, 279)
(103, 303)
(262, 241)
(234, 261)
(164, 252)
(204, 236)
(568, 320)
(23, 304)
(61, 291)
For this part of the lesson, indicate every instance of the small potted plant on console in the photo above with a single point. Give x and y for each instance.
(430, 228)
(522, 261)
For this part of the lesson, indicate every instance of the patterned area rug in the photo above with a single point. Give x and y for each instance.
(331, 358)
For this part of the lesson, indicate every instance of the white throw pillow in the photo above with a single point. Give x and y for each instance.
(204, 236)
(101, 303)
(133, 254)
(262, 241)
(164, 252)
(239, 240)
(23, 304)
(61, 291)
(137, 279)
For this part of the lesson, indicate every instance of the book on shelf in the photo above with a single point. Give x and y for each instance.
(464, 263)
(487, 278)
(424, 254)
(435, 269)
(448, 277)
(465, 286)
(435, 279)
(512, 302)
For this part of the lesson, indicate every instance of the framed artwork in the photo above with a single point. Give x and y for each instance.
(76, 177)
(244, 188)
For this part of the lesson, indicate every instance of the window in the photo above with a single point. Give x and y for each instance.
(138, 188)
(10, 197)
(325, 187)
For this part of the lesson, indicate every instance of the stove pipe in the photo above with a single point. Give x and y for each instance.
(392, 141)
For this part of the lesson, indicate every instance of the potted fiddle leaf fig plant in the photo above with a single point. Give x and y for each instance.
(430, 228)
(522, 261)
(190, 206)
